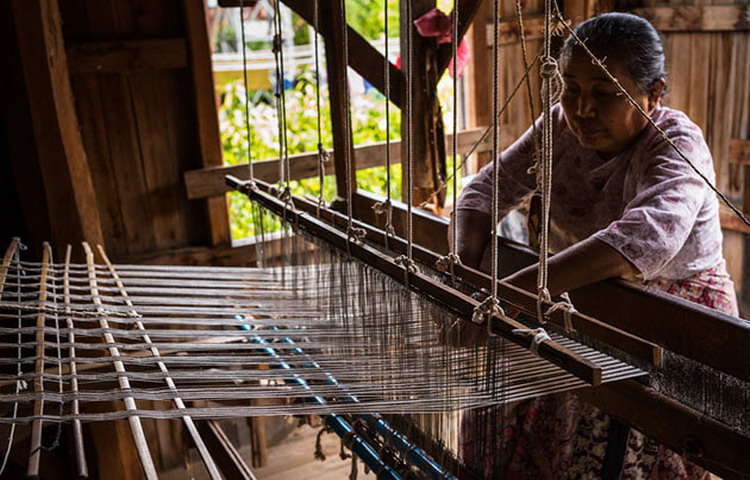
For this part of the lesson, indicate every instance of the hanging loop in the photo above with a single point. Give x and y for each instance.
(539, 336)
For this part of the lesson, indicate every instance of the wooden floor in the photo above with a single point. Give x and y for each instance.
(294, 459)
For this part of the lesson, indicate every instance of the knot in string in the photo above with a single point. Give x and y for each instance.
(21, 385)
(20, 245)
(566, 305)
(487, 309)
(324, 155)
(544, 295)
(550, 72)
(357, 234)
(548, 68)
(446, 262)
(286, 195)
(407, 263)
(276, 44)
(539, 336)
(382, 207)
(250, 185)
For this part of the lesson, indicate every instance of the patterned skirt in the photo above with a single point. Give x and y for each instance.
(561, 437)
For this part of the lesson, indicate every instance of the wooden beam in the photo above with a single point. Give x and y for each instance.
(208, 120)
(69, 191)
(333, 29)
(698, 18)
(510, 33)
(730, 221)
(681, 324)
(688, 432)
(479, 82)
(127, 56)
(468, 10)
(363, 57)
(423, 125)
(461, 305)
(226, 455)
(208, 182)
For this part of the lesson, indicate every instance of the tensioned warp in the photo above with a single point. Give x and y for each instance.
(199, 333)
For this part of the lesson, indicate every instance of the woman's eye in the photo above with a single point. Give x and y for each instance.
(607, 93)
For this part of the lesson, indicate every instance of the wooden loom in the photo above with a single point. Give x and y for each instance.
(679, 331)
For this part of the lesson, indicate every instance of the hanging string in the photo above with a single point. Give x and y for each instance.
(491, 305)
(20, 383)
(529, 92)
(247, 95)
(487, 130)
(646, 116)
(353, 233)
(280, 95)
(322, 153)
(448, 262)
(386, 207)
(407, 261)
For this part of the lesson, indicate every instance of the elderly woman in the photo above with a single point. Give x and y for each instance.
(624, 204)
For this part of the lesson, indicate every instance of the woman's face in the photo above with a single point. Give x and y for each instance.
(599, 115)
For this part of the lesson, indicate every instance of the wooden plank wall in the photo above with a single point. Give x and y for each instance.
(708, 55)
(138, 108)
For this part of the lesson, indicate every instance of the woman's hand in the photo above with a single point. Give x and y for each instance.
(581, 264)
(474, 229)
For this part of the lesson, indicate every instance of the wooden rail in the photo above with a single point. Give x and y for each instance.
(210, 182)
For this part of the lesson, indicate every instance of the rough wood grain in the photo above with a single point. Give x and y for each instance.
(208, 122)
(69, 191)
(127, 56)
(697, 18)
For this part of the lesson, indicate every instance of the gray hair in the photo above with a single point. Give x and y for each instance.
(626, 37)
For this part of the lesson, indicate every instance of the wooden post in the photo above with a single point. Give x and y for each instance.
(205, 104)
(333, 28)
(68, 189)
(426, 133)
(480, 81)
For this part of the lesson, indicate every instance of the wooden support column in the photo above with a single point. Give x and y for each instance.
(427, 133)
(208, 121)
(333, 28)
(69, 191)
(480, 81)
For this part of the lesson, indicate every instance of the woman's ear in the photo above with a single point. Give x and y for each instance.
(655, 94)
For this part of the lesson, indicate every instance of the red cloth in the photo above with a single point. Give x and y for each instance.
(437, 24)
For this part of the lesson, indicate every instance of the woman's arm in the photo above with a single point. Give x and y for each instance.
(473, 235)
(585, 262)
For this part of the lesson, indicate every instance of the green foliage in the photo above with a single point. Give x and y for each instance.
(366, 17)
(368, 126)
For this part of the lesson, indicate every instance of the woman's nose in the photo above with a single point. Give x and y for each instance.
(586, 107)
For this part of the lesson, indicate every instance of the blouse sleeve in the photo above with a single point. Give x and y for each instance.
(516, 184)
(669, 195)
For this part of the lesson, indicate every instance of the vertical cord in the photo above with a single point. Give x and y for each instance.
(278, 48)
(454, 229)
(247, 93)
(547, 72)
(321, 151)
(409, 130)
(386, 206)
(347, 124)
(495, 146)
(387, 74)
(20, 383)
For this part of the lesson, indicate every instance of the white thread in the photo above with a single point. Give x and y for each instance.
(539, 336)
(568, 309)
